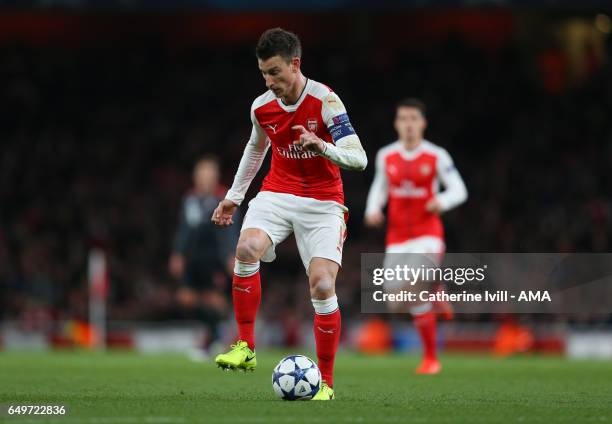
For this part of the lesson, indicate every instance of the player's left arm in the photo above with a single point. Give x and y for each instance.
(454, 192)
(346, 150)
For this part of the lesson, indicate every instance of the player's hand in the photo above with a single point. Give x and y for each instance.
(176, 265)
(374, 219)
(308, 140)
(186, 297)
(223, 213)
(215, 300)
(433, 206)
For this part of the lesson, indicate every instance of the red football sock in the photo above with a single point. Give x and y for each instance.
(327, 336)
(426, 326)
(246, 293)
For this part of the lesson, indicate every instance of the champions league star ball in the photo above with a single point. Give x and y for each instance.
(296, 377)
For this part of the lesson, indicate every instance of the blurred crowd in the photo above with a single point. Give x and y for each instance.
(97, 148)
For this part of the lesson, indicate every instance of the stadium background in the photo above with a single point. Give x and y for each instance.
(104, 108)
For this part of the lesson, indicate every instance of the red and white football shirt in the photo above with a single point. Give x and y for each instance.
(294, 170)
(408, 179)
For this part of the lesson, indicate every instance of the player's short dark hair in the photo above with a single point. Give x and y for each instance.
(413, 102)
(277, 41)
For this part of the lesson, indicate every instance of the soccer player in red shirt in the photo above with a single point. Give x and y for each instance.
(408, 174)
(307, 128)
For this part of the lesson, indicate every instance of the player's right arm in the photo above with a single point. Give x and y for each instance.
(454, 192)
(252, 158)
(377, 196)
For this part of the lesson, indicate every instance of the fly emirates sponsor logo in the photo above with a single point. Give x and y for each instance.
(293, 151)
(408, 189)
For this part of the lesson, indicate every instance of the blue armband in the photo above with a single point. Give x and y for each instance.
(341, 127)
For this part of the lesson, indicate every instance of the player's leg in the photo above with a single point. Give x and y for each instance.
(426, 324)
(246, 282)
(327, 319)
(443, 308)
(320, 231)
(246, 296)
(265, 225)
(212, 307)
(198, 300)
(425, 319)
(423, 251)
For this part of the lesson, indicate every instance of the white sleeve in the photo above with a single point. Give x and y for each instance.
(378, 194)
(454, 192)
(252, 158)
(346, 151)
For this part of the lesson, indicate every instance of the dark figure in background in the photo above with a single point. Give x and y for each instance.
(203, 253)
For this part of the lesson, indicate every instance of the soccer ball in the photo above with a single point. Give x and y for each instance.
(296, 377)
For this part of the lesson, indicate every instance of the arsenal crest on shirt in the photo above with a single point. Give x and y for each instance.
(312, 125)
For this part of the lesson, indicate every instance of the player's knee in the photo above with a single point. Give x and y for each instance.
(249, 250)
(321, 285)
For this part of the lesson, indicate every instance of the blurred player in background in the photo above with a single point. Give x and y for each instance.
(308, 129)
(203, 255)
(407, 177)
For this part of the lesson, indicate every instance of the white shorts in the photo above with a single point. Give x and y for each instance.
(319, 226)
(434, 247)
(428, 250)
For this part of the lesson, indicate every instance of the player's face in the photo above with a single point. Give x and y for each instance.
(410, 123)
(206, 176)
(280, 76)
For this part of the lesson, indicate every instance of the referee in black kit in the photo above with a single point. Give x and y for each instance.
(203, 253)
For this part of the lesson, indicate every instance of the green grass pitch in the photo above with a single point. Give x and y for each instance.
(118, 388)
